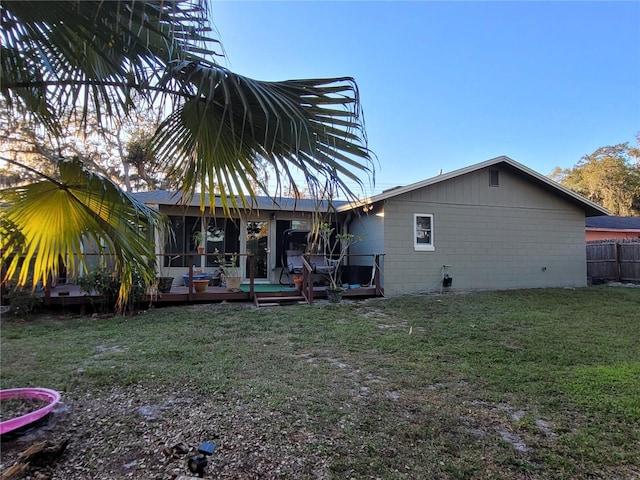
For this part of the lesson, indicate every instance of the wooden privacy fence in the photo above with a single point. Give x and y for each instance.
(617, 260)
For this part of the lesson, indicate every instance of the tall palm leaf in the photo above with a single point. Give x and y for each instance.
(96, 54)
(53, 218)
(306, 127)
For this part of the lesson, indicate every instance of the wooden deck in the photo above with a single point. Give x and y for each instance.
(71, 295)
(258, 293)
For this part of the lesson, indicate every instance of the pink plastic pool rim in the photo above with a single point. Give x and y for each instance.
(43, 394)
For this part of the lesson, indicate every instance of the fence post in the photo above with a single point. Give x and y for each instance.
(617, 257)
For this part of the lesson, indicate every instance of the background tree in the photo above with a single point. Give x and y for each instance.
(148, 173)
(22, 144)
(610, 176)
(60, 62)
(103, 151)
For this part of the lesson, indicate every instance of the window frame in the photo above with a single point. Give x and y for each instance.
(184, 226)
(419, 246)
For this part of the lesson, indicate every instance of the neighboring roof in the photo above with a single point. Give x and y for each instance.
(167, 197)
(610, 222)
(590, 208)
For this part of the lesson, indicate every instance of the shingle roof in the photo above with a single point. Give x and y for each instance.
(167, 197)
(613, 223)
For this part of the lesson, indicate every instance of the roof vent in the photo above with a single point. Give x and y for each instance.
(494, 178)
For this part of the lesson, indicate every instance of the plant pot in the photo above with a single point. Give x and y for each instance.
(164, 284)
(233, 283)
(297, 281)
(201, 250)
(200, 286)
(334, 295)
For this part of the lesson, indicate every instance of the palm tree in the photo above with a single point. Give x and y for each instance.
(79, 56)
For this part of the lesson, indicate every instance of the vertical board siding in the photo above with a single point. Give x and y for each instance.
(617, 260)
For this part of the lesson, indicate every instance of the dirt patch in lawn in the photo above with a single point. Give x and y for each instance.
(133, 433)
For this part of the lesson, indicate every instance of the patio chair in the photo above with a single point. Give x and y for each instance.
(292, 265)
(294, 244)
(322, 264)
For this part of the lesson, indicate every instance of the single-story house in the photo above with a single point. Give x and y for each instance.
(610, 227)
(493, 225)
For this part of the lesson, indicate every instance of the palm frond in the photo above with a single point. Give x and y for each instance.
(49, 220)
(93, 53)
(310, 127)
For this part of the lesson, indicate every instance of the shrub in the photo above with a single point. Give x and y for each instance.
(99, 281)
(23, 302)
(106, 284)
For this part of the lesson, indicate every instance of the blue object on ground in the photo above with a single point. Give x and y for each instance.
(197, 276)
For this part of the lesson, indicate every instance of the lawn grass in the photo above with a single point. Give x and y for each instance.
(516, 384)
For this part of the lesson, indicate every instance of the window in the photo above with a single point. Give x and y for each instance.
(301, 224)
(222, 234)
(423, 232)
(494, 178)
(183, 229)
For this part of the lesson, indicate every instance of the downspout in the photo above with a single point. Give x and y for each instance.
(347, 221)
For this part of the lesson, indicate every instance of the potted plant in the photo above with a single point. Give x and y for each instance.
(232, 274)
(164, 280)
(200, 285)
(200, 239)
(297, 281)
(335, 250)
(164, 284)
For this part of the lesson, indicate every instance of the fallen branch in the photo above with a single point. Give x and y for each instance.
(38, 455)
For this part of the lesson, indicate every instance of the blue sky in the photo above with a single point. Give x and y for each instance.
(448, 84)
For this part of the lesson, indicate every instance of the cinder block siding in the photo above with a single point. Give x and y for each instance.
(516, 235)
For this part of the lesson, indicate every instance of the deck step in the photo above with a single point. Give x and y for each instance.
(279, 300)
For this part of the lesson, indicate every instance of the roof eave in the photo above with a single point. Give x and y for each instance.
(613, 229)
(590, 208)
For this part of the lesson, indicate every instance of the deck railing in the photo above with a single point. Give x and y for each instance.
(194, 258)
(308, 271)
